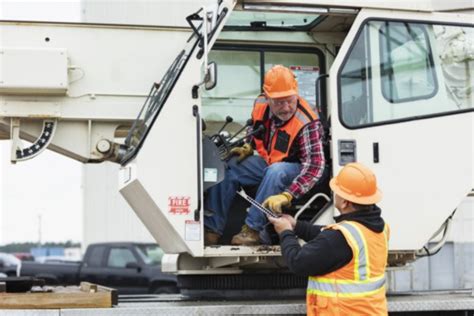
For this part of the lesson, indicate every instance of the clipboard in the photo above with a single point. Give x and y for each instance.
(259, 206)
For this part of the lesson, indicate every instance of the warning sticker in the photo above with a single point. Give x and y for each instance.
(192, 231)
(210, 174)
(306, 77)
(179, 204)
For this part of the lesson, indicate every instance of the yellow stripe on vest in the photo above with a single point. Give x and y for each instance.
(345, 288)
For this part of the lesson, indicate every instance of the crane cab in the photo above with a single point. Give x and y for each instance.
(393, 83)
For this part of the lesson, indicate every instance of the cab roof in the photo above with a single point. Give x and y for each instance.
(309, 6)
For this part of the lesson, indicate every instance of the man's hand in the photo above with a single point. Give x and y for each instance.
(281, 223)
(243, 152)
(276, 202)
(291, 219)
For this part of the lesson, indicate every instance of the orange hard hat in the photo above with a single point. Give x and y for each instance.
(280, 82)
(356, 183)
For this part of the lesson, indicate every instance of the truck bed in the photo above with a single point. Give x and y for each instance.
(53, 273)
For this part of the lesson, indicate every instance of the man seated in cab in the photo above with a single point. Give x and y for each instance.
(289, 163)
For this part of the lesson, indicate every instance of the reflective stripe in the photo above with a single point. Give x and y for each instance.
(385, 233)
(261, 99)
(345, 288)
(360, 257)
(365, 249)
(302, 117)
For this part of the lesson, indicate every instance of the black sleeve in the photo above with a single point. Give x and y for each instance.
(327, 252)
(306, 230)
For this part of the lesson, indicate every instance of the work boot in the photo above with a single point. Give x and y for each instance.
(246, 237)
(211, 238)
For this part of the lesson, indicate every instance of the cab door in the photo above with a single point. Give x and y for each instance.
(401, 94)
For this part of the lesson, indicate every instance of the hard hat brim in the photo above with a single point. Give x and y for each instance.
(281, 94)
(363, 200)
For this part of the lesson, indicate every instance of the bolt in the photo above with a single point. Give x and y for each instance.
(103, 146)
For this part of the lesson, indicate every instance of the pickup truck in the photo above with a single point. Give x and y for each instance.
(130, 268)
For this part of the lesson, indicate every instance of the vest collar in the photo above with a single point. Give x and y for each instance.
(369, 216)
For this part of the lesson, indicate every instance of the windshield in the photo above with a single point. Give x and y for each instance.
(151, 254)
(245, 19)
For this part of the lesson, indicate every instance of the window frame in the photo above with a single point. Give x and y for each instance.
(271, 28)
(433, 72)
(368, 88)
(122, 248)
(262, 49)
(395, 121)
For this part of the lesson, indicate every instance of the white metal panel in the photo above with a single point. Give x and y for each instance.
(141, 12)
(463, 222)
(33, 70)
(111, 72)
(426, 166)
(166, 166)
(106, 215)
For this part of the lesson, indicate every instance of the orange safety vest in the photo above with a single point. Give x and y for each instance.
(278, 148)
(358, 288)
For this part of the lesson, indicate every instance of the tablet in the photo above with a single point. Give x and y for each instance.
(259, 206)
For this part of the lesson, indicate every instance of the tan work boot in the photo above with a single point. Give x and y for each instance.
(246, 237)
(211, 238)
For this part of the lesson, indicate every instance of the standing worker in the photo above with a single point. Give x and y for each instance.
(345, 261)
(290, 161)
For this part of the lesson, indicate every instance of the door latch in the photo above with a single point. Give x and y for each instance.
(347, 151)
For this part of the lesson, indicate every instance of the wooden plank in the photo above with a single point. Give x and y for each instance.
(88, 287)
(88, 295)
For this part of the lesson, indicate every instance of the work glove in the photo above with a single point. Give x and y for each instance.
(242, 152)
(276, 202)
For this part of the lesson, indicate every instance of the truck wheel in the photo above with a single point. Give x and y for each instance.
(170, 289)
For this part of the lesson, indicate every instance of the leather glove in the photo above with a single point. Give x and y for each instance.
(243, 152)
(276, 202)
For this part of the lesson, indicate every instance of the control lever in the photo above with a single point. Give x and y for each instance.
(225, 148)
(256, 131)
(217, 135)
(228, 119)
(247, 124)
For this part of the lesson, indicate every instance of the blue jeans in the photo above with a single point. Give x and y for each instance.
(252, 171)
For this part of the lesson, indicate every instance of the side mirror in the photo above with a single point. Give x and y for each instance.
(133, 265)
(210, 80)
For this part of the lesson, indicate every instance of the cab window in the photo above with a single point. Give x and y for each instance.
(398, 71)
(240, 78)
(119, 257)
(407, 68)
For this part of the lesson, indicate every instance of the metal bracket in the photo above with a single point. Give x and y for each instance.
(18, 153)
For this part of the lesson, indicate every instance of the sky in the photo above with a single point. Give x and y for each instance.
(48, 187)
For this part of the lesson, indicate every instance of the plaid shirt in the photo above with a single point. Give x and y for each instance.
(309, 150)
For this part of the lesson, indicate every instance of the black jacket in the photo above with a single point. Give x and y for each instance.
(325, 251)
